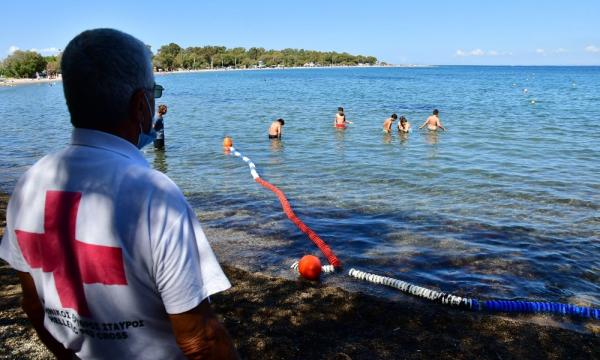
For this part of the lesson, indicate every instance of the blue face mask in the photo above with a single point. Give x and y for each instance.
(146, 138)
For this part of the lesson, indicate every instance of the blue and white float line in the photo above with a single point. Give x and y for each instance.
(506, 306)
(247, 160)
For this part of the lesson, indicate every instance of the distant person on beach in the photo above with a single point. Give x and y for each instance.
(112, 260)
(159, 127)
(433, 122)
(340, 119)
(387, 124)
(276, 129)
(403, 125)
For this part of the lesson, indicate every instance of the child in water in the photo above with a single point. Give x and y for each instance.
(340, 119)
(276, 129)
(387, 124)
(403, 125)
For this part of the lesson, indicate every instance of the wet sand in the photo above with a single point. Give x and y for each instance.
(274, 318)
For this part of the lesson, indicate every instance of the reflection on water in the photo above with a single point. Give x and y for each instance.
(160, 160)
(340, 135)
(387, 138)
(403, 137)
(276, 145)
(432, 137)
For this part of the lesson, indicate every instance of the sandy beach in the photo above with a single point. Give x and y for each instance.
(17, 82)
(272, 318)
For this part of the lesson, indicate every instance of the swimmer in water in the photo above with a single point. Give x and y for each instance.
(403, 125)
(387, 124)
(276, 129)
(433, 122)
(340, 119)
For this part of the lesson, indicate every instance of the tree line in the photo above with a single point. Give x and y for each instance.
(172, 57)
(29, 64)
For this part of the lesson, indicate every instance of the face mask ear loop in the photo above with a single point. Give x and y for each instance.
(151, 116)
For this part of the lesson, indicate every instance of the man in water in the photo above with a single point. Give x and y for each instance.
(276, 129)
(433, 122)
(340, 119)
(387, 124)
(112, 260)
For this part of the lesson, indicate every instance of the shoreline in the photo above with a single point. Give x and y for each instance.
(275, 318)
(9, 82)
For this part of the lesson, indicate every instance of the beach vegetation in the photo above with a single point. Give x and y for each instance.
(173, 57)
(23, 64)
(53, 65)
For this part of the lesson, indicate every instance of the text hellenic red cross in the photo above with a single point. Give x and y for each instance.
(72, 262)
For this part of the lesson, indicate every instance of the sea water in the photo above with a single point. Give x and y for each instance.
(505, 204)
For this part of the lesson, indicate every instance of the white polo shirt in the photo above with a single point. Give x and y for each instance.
(113, 248)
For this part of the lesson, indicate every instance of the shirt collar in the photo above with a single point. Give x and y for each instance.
(106, 141)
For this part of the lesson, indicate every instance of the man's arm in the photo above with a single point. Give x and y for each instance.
(200, 335)
(35, 312)
(425, 123)
(439, 124)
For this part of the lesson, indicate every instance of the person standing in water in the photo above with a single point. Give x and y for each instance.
(433, 122)
(276, 129)
(159, 127)
(403, 125)
(387, 124)
(340, 119)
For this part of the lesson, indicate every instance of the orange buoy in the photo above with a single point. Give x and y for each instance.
(227, 142)
(310, 267)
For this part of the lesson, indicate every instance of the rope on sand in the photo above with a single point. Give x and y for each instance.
(287, 209)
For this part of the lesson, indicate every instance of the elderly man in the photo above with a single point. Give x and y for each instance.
(112, 260)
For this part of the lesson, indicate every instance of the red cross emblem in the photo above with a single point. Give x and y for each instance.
(72, 262)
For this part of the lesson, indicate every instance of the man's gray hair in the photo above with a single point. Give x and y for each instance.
(101, 70)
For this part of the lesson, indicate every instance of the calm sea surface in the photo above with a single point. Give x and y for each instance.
(503, 205)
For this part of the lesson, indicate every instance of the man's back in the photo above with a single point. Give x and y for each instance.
(275, 128)
(106, 240)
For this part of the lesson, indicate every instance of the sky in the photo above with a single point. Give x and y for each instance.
(459, 32)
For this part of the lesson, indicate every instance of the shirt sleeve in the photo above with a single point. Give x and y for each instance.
(9, 248)
(186, 270)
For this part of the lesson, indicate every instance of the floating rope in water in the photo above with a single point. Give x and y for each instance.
(437, 296)
(331, 258)
(540, 307)
(508, 306)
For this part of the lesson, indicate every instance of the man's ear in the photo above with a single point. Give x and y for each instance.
(137, 108)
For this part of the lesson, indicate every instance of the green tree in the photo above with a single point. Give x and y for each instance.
(24, 64)
(173, 57)
(166, 58)
(53, 65)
